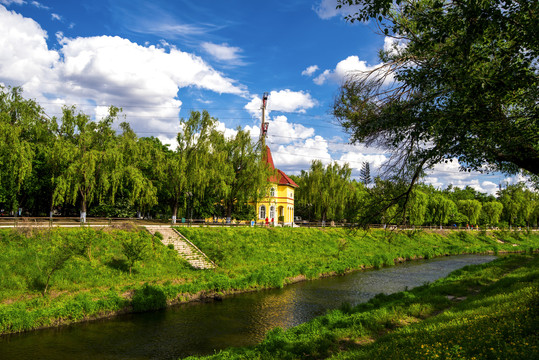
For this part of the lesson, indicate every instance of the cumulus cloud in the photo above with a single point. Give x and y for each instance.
(282, 100)
(299, 155)
(224, 52)
(444, 174)
(283, 132)
(102, 70)
(350, 65)
(310, 70)
(25, 56)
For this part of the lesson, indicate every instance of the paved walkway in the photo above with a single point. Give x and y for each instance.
(183, 246)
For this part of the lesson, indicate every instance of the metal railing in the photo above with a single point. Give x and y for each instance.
(110, 221)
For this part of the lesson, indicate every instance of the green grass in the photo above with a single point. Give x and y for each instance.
(41, 286)
(487, 311)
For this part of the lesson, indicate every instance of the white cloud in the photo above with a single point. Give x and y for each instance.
(290, 101)
(25, 56)
(299, 155)
(394, 46)
(444, 174)
(326, 9)
(40, 5)
(351, 64)
(223, 52)
(283, 100)
(103, 70)
(310, 70)
(280, 131)
(148, 17)
(9, 2)
(56, 17)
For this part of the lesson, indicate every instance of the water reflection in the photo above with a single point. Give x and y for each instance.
(239, 320)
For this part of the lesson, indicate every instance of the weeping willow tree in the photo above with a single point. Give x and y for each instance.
(243, 174)
(441, 209)
(22, 125)
(323, 190)
(102, 163)
(188, 169)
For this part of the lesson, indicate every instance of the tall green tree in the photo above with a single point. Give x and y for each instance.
(21, 123)
(365, 173)
(322, 188)
(245, 175)
(492, 211)
(460, 81)
(512, 198)
(470, 208)
(417, 207)
(529, 206)
(95, 172)
(466, 86)
(133, 159)
(441, 209)
(188, 170)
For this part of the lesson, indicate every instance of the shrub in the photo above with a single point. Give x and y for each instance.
(149, 298)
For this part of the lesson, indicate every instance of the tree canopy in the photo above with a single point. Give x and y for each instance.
(460, 80)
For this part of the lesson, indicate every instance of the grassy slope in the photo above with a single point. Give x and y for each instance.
(98, 283)
(489, 311)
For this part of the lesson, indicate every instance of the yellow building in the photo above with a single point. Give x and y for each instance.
(280, 198)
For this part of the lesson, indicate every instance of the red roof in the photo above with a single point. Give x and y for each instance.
(281, 178)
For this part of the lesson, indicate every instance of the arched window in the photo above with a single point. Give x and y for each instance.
(262, 212)
(272, 212)
(272, 192)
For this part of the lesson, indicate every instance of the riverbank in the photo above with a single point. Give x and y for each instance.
(478, 312)
(45, 287)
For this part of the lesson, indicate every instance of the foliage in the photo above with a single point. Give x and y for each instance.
(470, 208)
(458, 81)
(134, 247)
(442, 209)
(55, 165)
(492, 211)
(248, 173)
(324, 190)
(417, 207)
(466, 84)
(149, 298)
(18, 117)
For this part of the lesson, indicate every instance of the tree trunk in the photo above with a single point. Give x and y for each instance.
(174, 211)
(51, 208)
(83, 209)
(228, 212)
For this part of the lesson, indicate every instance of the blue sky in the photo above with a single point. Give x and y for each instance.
(158, 60)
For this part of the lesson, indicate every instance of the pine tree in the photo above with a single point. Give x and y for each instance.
(365, 173)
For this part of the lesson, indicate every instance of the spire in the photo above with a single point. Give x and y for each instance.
(264, 125)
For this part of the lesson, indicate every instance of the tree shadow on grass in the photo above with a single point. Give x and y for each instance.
(118, 264)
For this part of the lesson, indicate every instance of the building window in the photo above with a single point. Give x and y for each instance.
(262, 212)
(272, 192)
(272, 213)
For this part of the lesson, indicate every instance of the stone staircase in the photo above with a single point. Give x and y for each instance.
(183, 246)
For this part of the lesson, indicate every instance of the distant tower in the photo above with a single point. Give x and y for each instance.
(264, 125)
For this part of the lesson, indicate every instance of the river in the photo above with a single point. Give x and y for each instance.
(239, 320)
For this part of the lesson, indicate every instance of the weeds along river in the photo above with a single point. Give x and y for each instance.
(243, 319)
